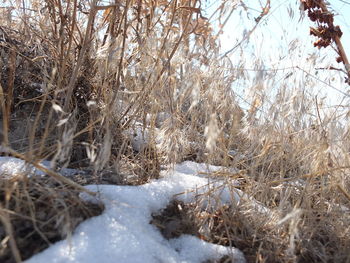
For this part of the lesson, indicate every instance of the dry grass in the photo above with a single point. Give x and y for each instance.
(36, 212)
(81, 84)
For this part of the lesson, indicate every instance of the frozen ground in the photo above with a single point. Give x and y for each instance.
(122, 233)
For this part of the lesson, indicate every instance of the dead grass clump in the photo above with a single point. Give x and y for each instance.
(175, 220)
(293, 220)
(37, 211)
(92, 72)
(24, 72)
(297, 235)
(136, 168)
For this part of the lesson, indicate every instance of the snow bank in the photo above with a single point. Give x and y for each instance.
(122, 233)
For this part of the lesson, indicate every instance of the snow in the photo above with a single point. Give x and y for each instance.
(141, 136)
(123, 233)
(189, 167)
(10, 166)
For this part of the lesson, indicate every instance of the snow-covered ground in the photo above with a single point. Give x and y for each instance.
(123, 233)
(10, 166)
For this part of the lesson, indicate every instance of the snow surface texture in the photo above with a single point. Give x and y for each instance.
(10, 167)
(122, 233)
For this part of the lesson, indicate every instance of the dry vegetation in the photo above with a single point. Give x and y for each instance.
(82, 84)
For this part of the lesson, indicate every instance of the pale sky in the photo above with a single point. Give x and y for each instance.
(282, 40)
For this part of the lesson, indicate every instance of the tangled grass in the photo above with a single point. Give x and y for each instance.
(121, 89)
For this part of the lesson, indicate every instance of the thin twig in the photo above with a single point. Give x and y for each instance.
(5, 219)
